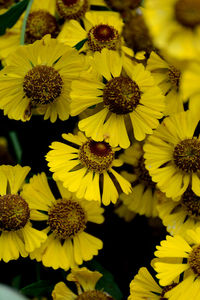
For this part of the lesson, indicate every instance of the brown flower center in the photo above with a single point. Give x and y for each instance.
(121, 95)
(72, 9)
(14, 212)
(167, 289)
(174, 76)
(187, 155)
(67, 218)
(194, 260)
(6, 3)
(191, 203)
(94, 295)
(40, 23)
(187, 13)
(143, 173)
(120, 5)
(96, 156)
(103, 36)
(42, 84)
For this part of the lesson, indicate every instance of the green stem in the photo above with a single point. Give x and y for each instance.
(16, 146)
(22, 36)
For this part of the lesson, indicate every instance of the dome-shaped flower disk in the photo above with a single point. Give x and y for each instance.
(172, 155)
(38, 78)
(86, 168)
(178, 258)
(175, 26)
(17, 236)
(124, 93)
(68, 244)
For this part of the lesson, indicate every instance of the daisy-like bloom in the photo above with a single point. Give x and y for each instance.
(66, 219)
(101, 30)
(17, 236)
(85, 167)
(178, 216)
(123, 5)
(85, 281)
(41, 21)
(167, 77)
(125, 94)
(123, 212)
(175, 26)
(143, 286)
(177, 256)
(172, 155)
(38, 77)
(143, 199)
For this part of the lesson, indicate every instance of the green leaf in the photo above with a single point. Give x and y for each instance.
(107, 282)
(10, 17)
(79, 45)
(38, 288)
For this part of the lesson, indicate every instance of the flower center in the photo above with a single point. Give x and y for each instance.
(174, 76)
(94, 295)
(120, 5)
(66, 218)
(143, 173)
(166, 289)
(121, 95)
(42, 84)
(5, 3)
(194, 260)
(187, 12)
(103, 36)
(191, 203)
(96, 156)
(187, 155)
(14, 212)
(72, 9)
(39, 24)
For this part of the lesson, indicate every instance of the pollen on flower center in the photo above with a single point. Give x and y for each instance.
(191, 203)
(42, 84)
(123, 5)
(187, 12)
(5, 3)
(194, 260)
(121, 95)
(14, 212)
(40, 23)
(174, 76)
(143, 173)
(167, 289)
(72, 9)
(96, 156)
(94, 295)
(186, 155)
(67, 218)
(103, 36)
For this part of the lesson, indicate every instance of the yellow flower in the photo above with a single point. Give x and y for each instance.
(38, 77)
(175, 26)
(143, 199)
(101, 30)
(172, 155)
(123, 212)
(17, 236)
(178, 216)
(66, 219)
(178, 257)
(167, 77)
(83, 165)
(85, 282)
(123, 92)
(143, 286)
